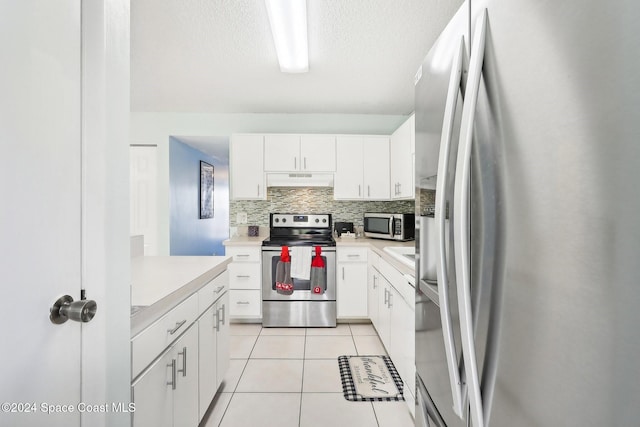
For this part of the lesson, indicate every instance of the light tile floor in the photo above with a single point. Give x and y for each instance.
(280, 377)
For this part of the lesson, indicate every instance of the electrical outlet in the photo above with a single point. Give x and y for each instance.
(241, 218)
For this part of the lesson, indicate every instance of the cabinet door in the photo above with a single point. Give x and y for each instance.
(372, 296)
(349, 168)
(376, 168)
(400, 154)
(402, 341)
(318, 153)
(185, 396)
(222, 338)
(207, 359)
(153, 395)
(281, 153)
(401, 161)
(246, 166)
(384, 312)
(351, 298)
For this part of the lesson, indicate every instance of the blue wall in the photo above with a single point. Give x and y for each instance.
(190, 235)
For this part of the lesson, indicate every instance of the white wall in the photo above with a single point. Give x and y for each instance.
(157, 128)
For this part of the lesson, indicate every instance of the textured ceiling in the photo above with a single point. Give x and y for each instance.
(217, 56)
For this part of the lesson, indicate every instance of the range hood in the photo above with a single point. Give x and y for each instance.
(296, 179)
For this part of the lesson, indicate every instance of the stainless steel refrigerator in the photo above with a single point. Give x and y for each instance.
(528, 299)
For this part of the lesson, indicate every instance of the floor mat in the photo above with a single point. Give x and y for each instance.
(370, 378)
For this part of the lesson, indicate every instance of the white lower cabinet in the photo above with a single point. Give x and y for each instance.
(395, 321)
(178, 382)
(213, 329)
(351, 283)
(245, 280)
(373, 288)
(185, 397)
(167, 393)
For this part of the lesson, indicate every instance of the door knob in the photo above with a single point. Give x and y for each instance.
(66, 308)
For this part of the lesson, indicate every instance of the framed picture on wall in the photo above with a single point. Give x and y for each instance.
(206, 190)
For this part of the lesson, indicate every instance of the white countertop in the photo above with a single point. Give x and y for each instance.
(244, 241)
(162, 282)
(378, 245)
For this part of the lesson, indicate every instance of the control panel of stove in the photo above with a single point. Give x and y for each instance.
(295, 220)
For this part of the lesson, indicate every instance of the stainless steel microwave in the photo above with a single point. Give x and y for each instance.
(390, 226)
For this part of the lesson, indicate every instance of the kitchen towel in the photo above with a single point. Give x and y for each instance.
(284, 283)
(301, 262)
(318, 273)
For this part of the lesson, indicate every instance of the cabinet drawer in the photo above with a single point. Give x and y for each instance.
(352, 254)
(245, 303)
(244, 253)
(245, 275)
(148, 344)
(398, 281)
(374, 259)
(212, 291)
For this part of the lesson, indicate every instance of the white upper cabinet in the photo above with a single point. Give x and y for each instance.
(281, 153)
(402, 168)
(362, 171)
(376, 167)
(350, 168)
(318, 153)
(246, 167)
(299, 153)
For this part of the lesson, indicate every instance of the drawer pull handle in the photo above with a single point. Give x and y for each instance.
(172, 365)
(243, 302)
(244, 276)
(353, 256)
(243, 255)
(183, 353)
(217, 291)
(178, 326)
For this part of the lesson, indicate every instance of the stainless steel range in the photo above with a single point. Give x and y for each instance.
(303, 307)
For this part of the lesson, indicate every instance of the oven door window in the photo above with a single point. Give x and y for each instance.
(377, 225)
(298, 284)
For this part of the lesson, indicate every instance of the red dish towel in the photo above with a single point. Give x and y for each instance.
(284, 284)
(318, 273)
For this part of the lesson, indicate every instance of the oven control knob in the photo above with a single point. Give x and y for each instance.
(277, 219)
(324, 220)
(284, 219)
(317, 220)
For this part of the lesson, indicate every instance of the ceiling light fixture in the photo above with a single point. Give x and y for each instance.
(288, 19)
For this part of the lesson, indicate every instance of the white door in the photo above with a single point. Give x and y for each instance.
(144, 199)
(47, 226)
(40, 239)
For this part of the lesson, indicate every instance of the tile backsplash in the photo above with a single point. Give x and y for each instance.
(311, 200)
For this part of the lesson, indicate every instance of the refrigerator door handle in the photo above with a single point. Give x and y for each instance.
(457, 388)
(461, 221)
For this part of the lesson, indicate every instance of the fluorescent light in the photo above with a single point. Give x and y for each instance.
(288, 19)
